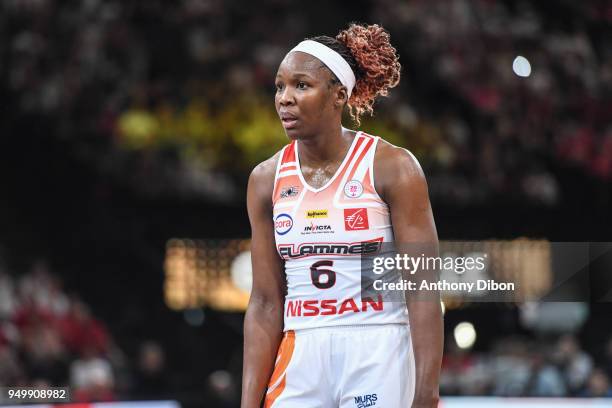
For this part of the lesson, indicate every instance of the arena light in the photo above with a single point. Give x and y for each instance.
(465, 335)
(242, 271)
(521, 66)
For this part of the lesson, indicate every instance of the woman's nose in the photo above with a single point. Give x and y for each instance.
(286, 96)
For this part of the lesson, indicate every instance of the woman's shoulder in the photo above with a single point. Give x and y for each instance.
(396, 158)
(262, 177)
(265, 171)
(395, 166)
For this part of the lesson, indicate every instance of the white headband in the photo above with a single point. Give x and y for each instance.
(331, 59)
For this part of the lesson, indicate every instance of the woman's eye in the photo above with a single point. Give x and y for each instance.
(301, 85)
(279, 87)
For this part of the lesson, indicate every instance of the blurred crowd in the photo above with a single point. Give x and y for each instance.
(499, 132)
(177, 97)
(516, 367)
(49, 337)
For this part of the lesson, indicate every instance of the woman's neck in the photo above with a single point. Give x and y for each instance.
(326, 147)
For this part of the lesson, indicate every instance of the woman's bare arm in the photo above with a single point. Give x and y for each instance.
(402, 184)
(263, 323)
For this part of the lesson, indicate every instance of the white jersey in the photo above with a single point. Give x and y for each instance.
(321, 234)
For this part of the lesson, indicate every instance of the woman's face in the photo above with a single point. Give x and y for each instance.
(306, 101)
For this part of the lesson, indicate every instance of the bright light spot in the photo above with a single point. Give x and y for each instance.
(221, 380)
(521, 66)
(194, 317)
(465, 335)
(241, 271)
(443, 308)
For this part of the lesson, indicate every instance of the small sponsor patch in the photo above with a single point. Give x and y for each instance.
(353, 189)
(316, 214)
(283, 224)
(356, 219)
(367, 400)
(289, 191)
(313, 228)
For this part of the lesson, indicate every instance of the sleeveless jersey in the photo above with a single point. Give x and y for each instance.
(322, 232)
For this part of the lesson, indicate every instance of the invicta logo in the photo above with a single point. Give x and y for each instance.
(316, 214)
(315, 228)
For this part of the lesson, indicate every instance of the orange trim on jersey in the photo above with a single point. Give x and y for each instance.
(360, 158)
(285, 352)
(287, 169)
(271, 397)
(276, 172)
(348, 162)
(289, 155)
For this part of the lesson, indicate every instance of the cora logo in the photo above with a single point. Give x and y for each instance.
(283, 224)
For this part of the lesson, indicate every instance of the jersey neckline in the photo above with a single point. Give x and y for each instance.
(338, 170)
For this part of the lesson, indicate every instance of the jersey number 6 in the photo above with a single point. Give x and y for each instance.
(316, 272)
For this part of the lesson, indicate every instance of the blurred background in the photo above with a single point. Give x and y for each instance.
(129, 129)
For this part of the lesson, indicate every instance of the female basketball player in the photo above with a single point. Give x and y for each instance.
(329, 196)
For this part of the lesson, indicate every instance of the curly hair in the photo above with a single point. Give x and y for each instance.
(372, 58)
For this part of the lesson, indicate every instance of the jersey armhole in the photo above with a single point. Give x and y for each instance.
(278, 165)
(371, 167)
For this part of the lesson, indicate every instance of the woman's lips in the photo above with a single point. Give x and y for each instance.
(289, 123)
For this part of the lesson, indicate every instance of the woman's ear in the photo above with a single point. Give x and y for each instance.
(341, 97)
